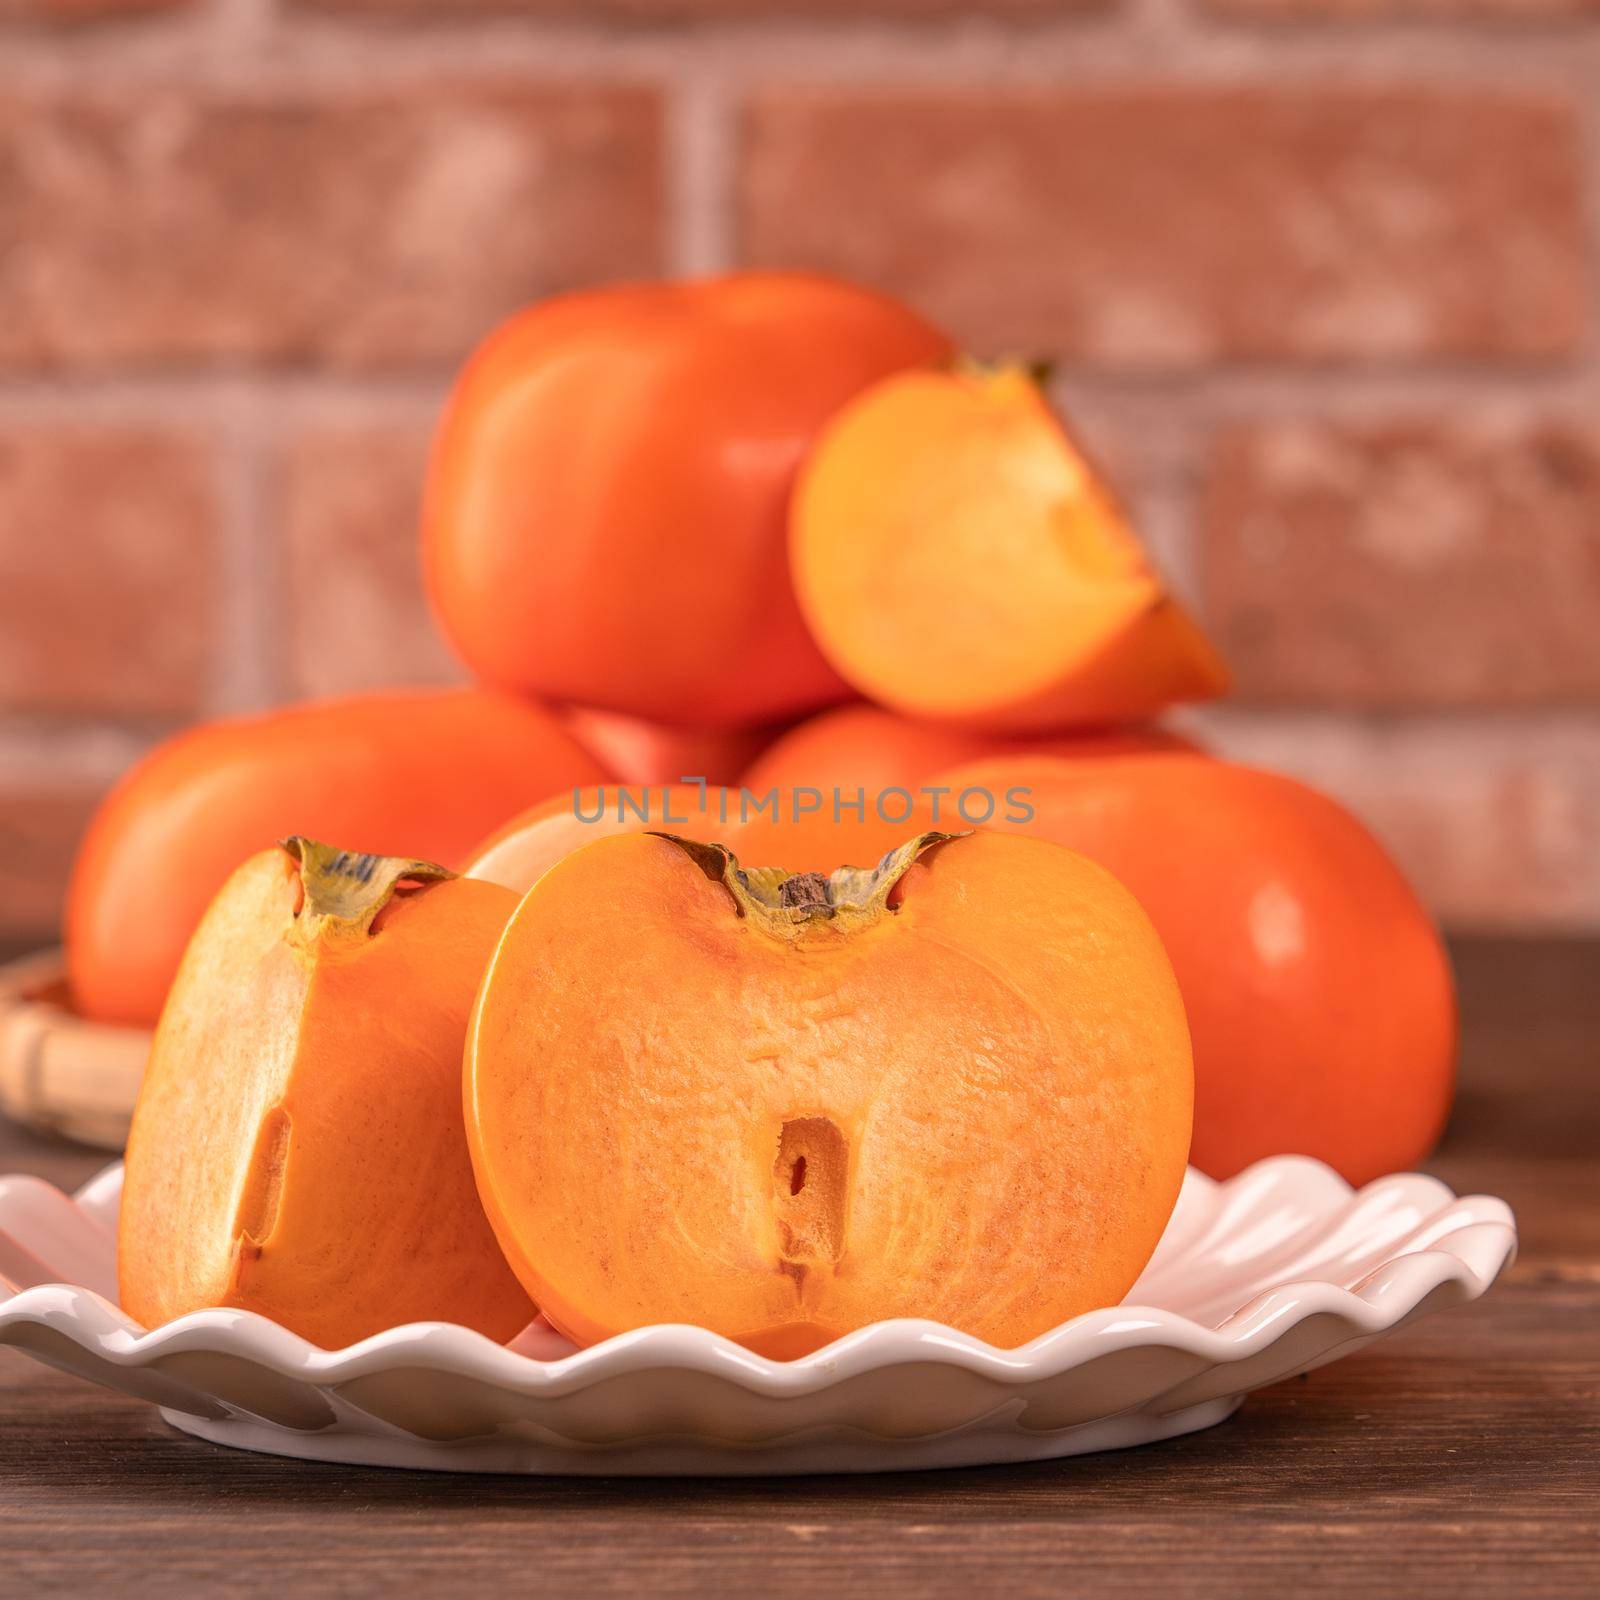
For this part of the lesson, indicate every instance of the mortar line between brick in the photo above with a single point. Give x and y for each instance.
(90, 750)
(312, 398)
(191, 398)
(1588, 118)
(251, 667)
(699, 164)
(240, 45)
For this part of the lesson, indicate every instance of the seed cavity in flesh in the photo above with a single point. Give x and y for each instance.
(810, 1186)
(263, 1184)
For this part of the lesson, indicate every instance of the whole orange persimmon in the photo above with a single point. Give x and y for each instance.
(864, 745)
(640, 752)
(419, 771)
(606, 510)
(1319, 995)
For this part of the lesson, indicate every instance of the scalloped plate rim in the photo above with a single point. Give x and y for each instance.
(1399, 1280)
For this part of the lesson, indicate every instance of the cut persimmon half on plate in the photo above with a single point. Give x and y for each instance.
(958, 559)
(297, 1149)
(956, 1086)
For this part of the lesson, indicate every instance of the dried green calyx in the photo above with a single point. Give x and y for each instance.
(1040, 371)
(788, 902)
(344, 890)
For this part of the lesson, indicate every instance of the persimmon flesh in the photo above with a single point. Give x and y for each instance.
(959, 560)
(783, 1107)
(297, 1149)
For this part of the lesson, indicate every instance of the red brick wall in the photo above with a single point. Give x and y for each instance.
(1318, 274)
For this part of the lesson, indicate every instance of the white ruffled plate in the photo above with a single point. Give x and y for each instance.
(1276, 1271)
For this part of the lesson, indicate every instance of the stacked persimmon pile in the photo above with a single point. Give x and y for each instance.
(856, 1038)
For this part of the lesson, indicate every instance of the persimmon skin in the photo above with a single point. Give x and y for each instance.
(424, 772)
(641, 753)
(1319, 994)
(866, 746)
(898, 1108)
(959, 560)
(297, 1149)
(605, 515)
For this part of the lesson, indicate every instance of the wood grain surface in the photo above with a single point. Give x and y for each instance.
(1460, 1458)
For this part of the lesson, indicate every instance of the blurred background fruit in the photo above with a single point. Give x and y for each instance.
(1329, 341)
(636, 751)
(1324, 316)
(423, 774)
(607, 508)
(957, 558)
(867, 745)
(1319, 995)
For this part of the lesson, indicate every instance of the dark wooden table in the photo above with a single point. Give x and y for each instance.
(1461, 1457)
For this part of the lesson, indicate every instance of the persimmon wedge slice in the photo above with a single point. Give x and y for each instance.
(956, 1086)
(297, 1148)
(958, 559)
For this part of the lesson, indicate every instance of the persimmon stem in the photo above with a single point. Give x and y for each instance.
(346, 889)
(787, 902)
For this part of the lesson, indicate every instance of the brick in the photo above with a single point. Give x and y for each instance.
(357, 615)
(716, 10)
(1406, 563)
(109, 546)
(1370, 10)
(1168, 228)
(40, 825)
(169, 227)
(1495, 819)
(72, 11)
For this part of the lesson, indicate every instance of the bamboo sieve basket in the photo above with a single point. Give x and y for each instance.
(59, 1073)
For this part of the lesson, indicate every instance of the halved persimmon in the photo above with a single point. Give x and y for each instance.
(519, 853)
(784, 1106)
(959, 560)
(297, 1149)
(803, 829)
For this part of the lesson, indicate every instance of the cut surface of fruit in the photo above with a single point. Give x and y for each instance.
(297, 1149)
(802, 830)
(958, 560)
(957, 1086)
(518, 854)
